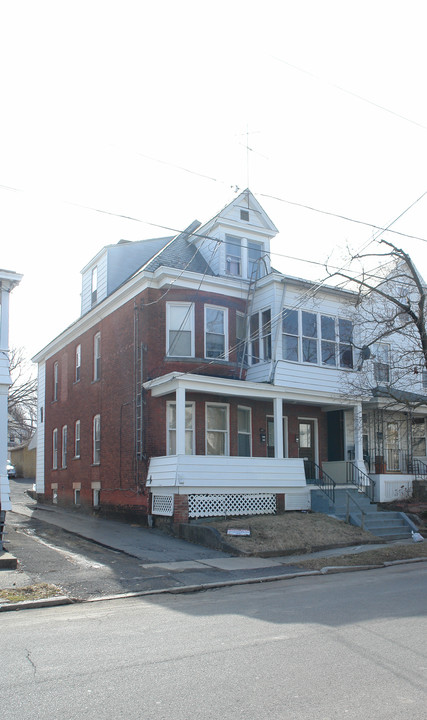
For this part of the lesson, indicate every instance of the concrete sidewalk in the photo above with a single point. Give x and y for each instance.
(166, 554)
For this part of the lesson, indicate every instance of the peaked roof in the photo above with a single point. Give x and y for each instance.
(231, 215)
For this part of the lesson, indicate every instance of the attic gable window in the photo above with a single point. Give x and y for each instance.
(244, 215)
(233, 255)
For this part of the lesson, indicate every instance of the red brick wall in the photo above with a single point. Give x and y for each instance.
(112, 397)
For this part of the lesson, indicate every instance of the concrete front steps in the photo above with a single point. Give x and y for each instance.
(388, 525)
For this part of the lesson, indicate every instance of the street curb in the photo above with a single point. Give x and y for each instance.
(183, 589)
(44, 602)
(8, 561)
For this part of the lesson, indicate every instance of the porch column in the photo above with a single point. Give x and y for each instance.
(358, 433)
(278, 427)
(180, 421)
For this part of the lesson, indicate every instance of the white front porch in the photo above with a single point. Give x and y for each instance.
(227, 485)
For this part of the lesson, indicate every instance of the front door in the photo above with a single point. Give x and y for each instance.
(307, 445)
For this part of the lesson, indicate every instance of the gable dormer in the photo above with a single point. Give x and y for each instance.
(94, 281)
(244, 231)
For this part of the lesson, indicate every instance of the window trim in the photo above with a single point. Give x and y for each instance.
(224, 311)
(94, 286)
(190, 312)
(225, 432)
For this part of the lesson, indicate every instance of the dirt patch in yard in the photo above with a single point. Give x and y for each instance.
(292, 532)
(299, 533)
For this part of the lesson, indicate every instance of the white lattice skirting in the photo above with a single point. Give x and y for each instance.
(233, 504)
(162, 505)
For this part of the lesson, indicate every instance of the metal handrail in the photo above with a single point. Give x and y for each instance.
(418, 467)
(318, 476)
(347, 511)
(363, 482)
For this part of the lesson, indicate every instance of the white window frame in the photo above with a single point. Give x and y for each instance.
(240, 432)
(192, 429)
(217, 308)
(96, 497)
(225, 432)
(96, 440)
(190, 315)
(97, 356)
(340, 345)
(77, 429)
(55, 449)
(64, 446)
(55, 381)
(78, 363)
(237, 262)
(285, 423)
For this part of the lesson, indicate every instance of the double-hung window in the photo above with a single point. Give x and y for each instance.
(255, 265)
(55, 381)
(171, 428)
(180, 329)
(64, 446)
(419, 437)
(97, 356)
(381, 362)
(244, 431)
(216, 332)
(77, 439)
(217, 432)
(55, 449)
(260, 336)
(96, 439)
(78, 362)
(233, 255)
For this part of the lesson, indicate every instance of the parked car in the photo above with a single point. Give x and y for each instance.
(11, 470)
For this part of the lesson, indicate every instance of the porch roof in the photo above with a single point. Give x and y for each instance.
(208, 384)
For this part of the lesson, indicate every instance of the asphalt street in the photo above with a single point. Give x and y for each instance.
(329, 647)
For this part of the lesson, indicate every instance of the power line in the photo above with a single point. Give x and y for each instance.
(349, 92)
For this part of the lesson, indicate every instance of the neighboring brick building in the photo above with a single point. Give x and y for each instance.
(197, 381)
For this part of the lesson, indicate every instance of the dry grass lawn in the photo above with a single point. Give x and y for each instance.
(298, 533)
(40, 591)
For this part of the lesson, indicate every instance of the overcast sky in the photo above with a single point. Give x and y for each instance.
(142, 108)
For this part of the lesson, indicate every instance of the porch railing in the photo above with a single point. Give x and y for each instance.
(357, 477)
(314, 475)
(394, 460)
(418, 467)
